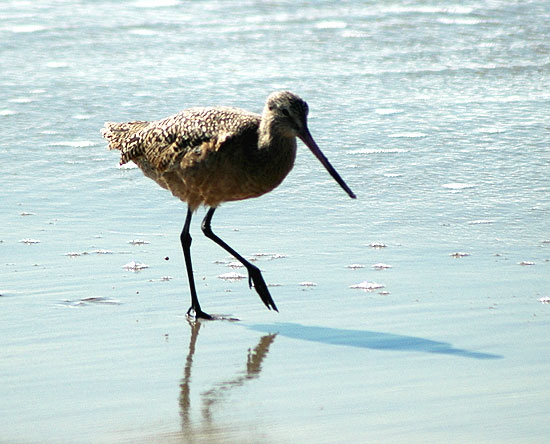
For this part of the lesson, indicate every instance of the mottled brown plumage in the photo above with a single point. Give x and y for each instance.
(206, 156)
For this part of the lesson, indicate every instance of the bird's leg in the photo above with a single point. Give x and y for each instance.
(254, 274)
(185, 238)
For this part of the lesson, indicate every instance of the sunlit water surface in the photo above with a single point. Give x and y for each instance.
(415, 313)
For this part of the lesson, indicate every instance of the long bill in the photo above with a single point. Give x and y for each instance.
(305, 136)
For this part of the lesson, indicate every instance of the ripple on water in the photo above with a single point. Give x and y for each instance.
(489, 130)
(22, 100)
(367, 286)
(57, 64)
(142, 31)
(85, 253)
(456, 186)
(331, 24)
(269, 256)
(135, 266)
(232, 276)
(8, 112)
(481, 222)
(378, 151)
(408, 135)
(377, 245)
(89, 301)
(139, 242)
(73, 143)
(155, 3)
(127, 166)
(24, 29)
(307, 284)
(76, 253)
(459, 254)
(388, 111)
(460, 21)
(29, 241)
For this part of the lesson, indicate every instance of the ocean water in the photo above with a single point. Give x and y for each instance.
(416, 313)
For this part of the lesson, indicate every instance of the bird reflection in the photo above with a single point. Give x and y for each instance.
(216, 394)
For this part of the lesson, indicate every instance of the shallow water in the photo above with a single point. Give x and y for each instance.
(437, 118)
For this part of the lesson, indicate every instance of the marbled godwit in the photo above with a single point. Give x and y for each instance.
(206, 156)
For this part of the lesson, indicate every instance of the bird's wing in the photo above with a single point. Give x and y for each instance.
(118, 134)
(195, 131)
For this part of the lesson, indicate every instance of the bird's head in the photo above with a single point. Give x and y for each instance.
(286, 115)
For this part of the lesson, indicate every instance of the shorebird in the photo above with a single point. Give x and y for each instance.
(207, 156)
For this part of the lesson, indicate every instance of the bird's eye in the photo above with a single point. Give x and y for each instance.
(285, 112)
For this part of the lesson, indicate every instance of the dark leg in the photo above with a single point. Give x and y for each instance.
(254, 274)
(185, 238)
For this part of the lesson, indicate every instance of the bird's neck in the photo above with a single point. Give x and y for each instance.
(274, 157)
(275, 147)
(266, 133)
(270, 135)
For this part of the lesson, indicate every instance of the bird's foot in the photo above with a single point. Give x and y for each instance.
(194, 314)
(197, 315)
(256, 279)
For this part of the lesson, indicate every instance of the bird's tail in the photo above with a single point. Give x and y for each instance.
(119, 134)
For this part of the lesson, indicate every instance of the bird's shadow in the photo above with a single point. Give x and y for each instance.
(367, 339)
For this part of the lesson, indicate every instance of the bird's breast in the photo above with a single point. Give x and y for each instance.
(213, 173)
